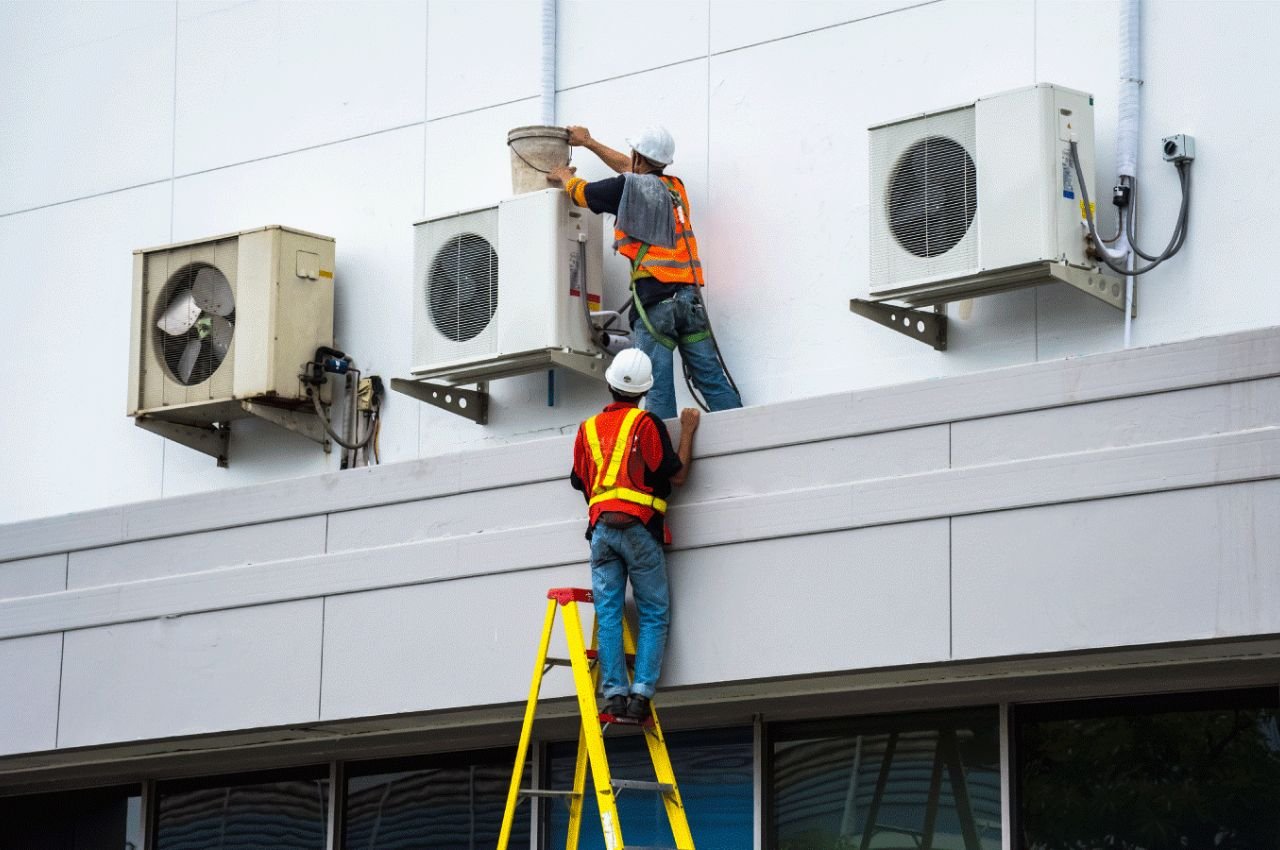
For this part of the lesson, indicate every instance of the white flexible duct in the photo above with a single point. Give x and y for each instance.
(548, 90)
(1127, 128)
(1130, 89)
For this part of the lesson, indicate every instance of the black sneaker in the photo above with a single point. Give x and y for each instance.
(615, 706)
(638, 708)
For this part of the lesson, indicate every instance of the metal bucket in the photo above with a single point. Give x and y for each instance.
(535, 150)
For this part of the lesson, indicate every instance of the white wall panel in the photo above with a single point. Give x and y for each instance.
(481, 54)
(190, 553)
(258, 79)
(814, 604)
(33, 576)
(598, 41)
(84, 111)
(186, 675)
(466, 642)
(66, 328)
(29, 680)
(784, 236)
(1185, 565)
(468, 162)
(738, 23)
(1120, 422)
(364, 193)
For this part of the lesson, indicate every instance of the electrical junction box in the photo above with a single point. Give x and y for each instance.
(982, 198)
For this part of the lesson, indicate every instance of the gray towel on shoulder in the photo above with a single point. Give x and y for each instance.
(645, 211)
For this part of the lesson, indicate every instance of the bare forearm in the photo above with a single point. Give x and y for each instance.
(616, 160)
(685, 452)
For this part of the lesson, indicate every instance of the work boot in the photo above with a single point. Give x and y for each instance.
(615, 705)
(638, 708)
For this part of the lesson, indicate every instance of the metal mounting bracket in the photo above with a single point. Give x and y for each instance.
(1108, 289)
(469, 404)
(929, 328)
(212, 440)
(303, 422)
(592, 366)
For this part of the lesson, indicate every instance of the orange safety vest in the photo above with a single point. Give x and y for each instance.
(679, 264)
(611, 487)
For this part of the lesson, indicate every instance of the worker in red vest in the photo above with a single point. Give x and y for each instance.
(654, 232)
(625, 467)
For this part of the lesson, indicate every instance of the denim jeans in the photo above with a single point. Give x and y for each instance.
(681, 315)
(617, 553)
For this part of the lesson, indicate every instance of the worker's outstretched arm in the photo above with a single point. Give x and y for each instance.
(689, 418)
(581, 137)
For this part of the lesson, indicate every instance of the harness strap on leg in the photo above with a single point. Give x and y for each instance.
(665, 341)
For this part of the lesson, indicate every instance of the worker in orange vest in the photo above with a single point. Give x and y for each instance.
(625, 467)
(654, 232)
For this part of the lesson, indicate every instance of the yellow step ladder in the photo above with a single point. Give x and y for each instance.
(591, 747)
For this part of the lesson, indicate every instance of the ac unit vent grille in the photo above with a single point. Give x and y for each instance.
(462, 287)
(196, 319)
(932, 196)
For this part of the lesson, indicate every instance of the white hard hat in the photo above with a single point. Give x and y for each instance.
(654, 143)
(630, 373)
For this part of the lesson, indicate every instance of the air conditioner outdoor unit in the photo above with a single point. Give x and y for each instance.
(498, 290)
(982, 198)
(223, 323)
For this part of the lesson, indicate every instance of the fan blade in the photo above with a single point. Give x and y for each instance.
(180, 315)
(188, 361)
(212, 292)
(220, 335)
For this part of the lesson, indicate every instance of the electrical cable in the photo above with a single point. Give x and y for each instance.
(1175, 241)
(328, 427)
(1185, 180)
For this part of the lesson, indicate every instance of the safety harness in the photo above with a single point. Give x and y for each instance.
(605, 488)
(662, 339)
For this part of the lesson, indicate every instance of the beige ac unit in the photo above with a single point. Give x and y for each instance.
(222, 323)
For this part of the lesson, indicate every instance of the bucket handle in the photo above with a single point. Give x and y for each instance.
(511, 144)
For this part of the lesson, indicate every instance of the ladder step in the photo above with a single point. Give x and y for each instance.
(649, 847)
(547, 792)
(642, 785)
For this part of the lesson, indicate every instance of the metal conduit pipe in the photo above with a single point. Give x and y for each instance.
(1128, 126)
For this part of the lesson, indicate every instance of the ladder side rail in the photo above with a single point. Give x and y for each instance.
(526, 730)
(584, 684)
(580, 761)
(656, 742)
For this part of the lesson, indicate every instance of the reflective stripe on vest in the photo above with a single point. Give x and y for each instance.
(603, 488)
(678, 264)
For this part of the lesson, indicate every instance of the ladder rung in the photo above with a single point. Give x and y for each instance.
(649, 847)
(548, 792)
(558, 662)
(642, 785)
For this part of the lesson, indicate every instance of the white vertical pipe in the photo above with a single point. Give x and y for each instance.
(548, 89)
(1128, 126)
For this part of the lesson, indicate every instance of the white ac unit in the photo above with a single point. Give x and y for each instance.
(983, 197)
(228, 319)
(497, 289)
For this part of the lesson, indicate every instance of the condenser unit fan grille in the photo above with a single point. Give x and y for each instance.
(196, 318)
(462, 287)
(932, 196)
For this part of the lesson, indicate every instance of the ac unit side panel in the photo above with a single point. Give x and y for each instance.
(926, 207)
(256, 309)
(304, 310)
(458, 264)
(1014, 132)
(1073, 112)
(587, 223)
(137, 363)
(535, 273)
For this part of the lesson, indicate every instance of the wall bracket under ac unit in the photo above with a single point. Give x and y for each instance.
(1106, 288)
(214, 439)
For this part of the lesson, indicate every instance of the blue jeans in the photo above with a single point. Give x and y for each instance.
(681, 315)
(617, 553)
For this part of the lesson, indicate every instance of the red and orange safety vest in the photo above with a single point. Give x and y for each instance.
(678, 264)
(613, 473)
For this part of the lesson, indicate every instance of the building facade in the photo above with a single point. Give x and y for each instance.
(1024, 593)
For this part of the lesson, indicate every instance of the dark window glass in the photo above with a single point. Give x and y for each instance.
(713, 770)
(450, 802)
(901, 781)
(1173, 772)
(96, 819)
(284, 811)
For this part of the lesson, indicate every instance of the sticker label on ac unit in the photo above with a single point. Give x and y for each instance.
(1068, 176)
